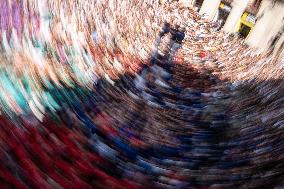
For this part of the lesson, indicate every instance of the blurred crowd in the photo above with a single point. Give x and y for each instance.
(134, 94)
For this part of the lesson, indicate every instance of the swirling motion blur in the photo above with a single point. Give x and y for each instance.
(134, 94)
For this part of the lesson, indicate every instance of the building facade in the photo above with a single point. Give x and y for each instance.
(260, 22)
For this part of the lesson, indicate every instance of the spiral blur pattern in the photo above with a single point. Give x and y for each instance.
(94, 95)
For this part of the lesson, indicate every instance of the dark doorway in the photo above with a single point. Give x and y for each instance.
(198, 4)
(244, 30)
(223, 15)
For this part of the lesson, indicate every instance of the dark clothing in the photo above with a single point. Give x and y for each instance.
(166, 29)
(178, 36)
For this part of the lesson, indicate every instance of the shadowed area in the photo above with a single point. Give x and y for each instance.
(106, 98)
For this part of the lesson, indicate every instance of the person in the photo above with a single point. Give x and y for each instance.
(176, 41)
(165, 30)
(95, 36)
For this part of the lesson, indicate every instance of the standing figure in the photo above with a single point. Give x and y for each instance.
(165, 30)
(176, 41)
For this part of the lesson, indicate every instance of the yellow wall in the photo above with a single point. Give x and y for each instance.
(244, 21)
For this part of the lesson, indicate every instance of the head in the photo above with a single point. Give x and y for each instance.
(167, 24)
(182, 29)
(176, 26)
